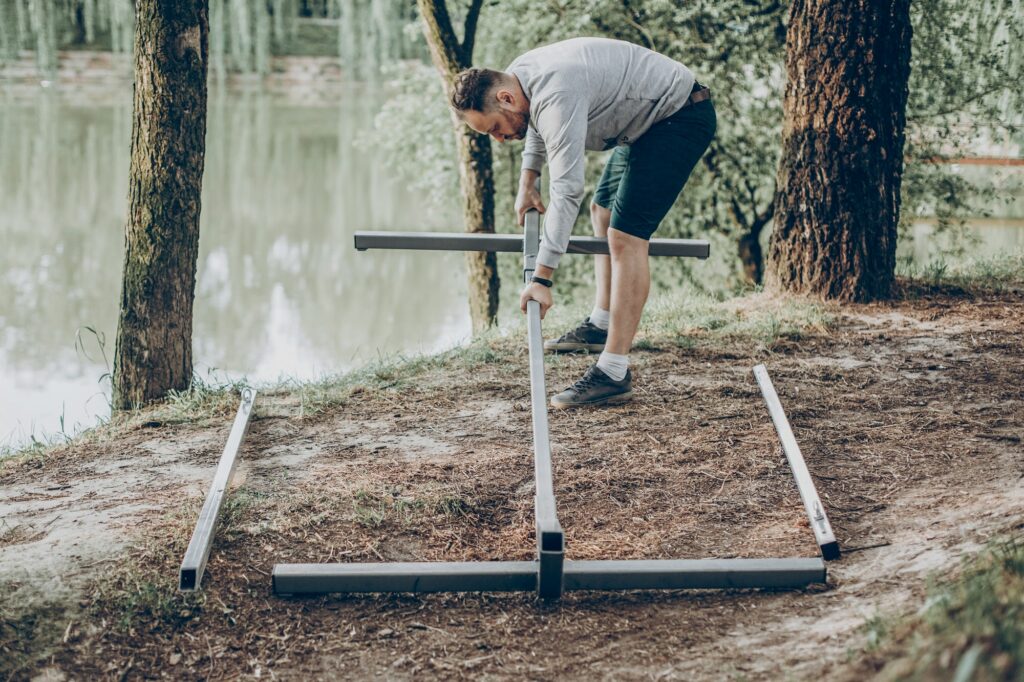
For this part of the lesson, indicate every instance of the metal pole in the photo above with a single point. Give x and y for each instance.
(511, 243)
(521, 576)
(550, 539)
(194, 563)
(680, 574)
(812, 503)
(469, 576)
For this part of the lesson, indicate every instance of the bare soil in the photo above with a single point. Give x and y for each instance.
(909, 415)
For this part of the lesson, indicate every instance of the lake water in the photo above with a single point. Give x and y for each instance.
(280, 292)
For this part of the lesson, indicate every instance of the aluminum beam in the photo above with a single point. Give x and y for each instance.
(510, 243)
(550, 539)
(194, 563)
(469, 576)
(812, 503)
(522, 576)
(682, 574)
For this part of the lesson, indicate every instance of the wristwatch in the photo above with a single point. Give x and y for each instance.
(541, 280)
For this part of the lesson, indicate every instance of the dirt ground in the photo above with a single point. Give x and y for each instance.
(909, 416)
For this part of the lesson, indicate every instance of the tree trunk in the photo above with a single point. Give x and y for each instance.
(477, 183)
(838, 202)
(751, 258)
(476, 177)
(154, 333)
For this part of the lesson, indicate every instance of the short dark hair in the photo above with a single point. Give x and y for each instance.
(472, 89)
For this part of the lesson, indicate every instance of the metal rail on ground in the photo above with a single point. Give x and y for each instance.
(823, 534)
(192, 566)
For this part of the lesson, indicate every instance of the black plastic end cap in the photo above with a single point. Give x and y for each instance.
(830, 552)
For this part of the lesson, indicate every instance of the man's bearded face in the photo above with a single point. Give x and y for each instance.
(518, 122)
(501, 124)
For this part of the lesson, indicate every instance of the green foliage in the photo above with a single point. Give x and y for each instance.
(413, 133)
(966, 99)
(979, 274)
(970, 628)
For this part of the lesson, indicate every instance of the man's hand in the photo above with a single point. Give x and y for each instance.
(526, 199)
(539, 293)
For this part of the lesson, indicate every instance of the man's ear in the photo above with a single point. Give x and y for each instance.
(506, 99)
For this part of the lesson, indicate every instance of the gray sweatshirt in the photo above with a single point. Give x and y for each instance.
(589, 93)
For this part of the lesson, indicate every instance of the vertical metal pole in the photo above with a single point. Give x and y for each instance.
(194, 563)
(812, 503)
(550, 539)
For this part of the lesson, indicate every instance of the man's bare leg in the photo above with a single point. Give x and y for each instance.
(600, 218)
(630, 284)
(609, 382)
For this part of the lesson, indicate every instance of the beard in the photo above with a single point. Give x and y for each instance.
(520, 122)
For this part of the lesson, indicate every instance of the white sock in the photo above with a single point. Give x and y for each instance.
(600, 318)
(615, 366)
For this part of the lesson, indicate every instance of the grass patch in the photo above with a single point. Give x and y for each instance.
(397, 372)
(695, 318)
(140, 591)
(373, 509)
(996, 273)
(971, 628)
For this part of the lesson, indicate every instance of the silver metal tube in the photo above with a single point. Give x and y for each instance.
(510, 243)
(677, 574)
(522, 576)
(194, 563)
(808, 493)
(550, 539)
(471, 576)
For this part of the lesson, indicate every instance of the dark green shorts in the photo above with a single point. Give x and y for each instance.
(641, 181)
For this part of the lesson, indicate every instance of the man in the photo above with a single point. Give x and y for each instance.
(595, 93)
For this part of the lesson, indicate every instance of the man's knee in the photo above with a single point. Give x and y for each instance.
(600, 217)
(622, 244)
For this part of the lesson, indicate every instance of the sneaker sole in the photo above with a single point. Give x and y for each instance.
(556, 347)
(617, 399)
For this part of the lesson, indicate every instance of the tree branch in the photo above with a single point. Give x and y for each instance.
(631, 20)
(441, 39)
(469, 32)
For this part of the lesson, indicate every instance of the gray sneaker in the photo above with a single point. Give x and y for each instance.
(586, 337)
(596, 388)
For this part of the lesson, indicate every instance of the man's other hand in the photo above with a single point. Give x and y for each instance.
(526, 199)
(539, 293)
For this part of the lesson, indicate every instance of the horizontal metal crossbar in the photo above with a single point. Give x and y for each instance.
(678, 574)
(194, 563)
(808, 494)
(521, 576)
(465, 241)
(470, 576)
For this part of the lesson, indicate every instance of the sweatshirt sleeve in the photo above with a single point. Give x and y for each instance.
(534, 153)
(562, 125)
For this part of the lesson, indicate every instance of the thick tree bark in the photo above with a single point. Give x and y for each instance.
(154, 333)
(476, 177)
(838, 202)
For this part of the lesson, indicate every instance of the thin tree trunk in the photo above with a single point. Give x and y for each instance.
(154, 333)
(476, 177)
(838, 203)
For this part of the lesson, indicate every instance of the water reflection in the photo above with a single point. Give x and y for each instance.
(280, 289)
